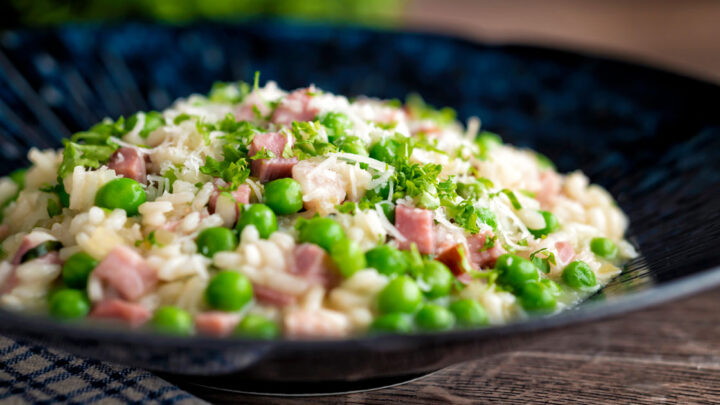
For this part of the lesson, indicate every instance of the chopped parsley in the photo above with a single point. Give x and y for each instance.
(222, 92)
(469, 216)
(348, 207)
(153, 121)
(263, 154)
(511, 196)
(308, 140)
(232, 172)
(486, 141)
(544, 262)
(181, 118)
(544, 162)
(421, 110)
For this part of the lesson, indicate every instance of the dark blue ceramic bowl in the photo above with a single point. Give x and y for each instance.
(652, 138)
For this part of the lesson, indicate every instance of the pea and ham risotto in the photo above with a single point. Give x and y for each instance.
(259, 213)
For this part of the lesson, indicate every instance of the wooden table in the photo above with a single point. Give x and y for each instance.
(666, 354)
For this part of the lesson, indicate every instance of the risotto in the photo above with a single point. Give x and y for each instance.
(260, 213)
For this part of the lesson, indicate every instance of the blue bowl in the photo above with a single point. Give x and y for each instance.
(651, 138)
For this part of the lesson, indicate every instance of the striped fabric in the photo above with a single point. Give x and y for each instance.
(35, 374)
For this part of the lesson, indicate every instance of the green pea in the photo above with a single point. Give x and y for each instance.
(257, 327)
(434, 317)
(400, 295)
(551, 225)
(353, 145)
(18, 177)
(228, 291)
(321, 231)
(536, 296)
(435, 279)
(284, 196)
(552, 286)
(336, 124)
(69, 304)
(579, 275)
(261, 216)
(604, 248)
(471, 190)
(469, 313)
(123, 193)
(394, 323)
(386, 260)
(385, 151)
(172, 321)
(216, 239)
(77, 269)
(515, 271)
(348, 256)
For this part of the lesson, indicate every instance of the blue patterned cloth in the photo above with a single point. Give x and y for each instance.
(36, 374)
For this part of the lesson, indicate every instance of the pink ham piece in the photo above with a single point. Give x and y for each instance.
(4, 231)
(124, 270)
(273, 168)
(550, 183)
(241, 196)
(480, 257)
(128, 163)
(250, 107)
(295, 107)
(416, 225)
(455, 258)
(269, 296)
(216, 323)
(565, 252)
(132, 313)
(312, 263)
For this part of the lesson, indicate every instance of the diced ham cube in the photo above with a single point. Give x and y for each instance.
(250, 107)
(455, 258)
(129, 163)
(241, 196)
(550, 183)
(4, 231)
(565, 252)
(273, 168)
(416, 225)
(464, 278)
(124, 270)
(310, 261)
(481, 257)
(295, 107)
(216, 323)
(30, 241)
(132, 313)
(269, 296)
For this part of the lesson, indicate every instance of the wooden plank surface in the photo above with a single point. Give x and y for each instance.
(679, 35)
(665, 354)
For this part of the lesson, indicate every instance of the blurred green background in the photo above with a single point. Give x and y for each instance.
(51, 12)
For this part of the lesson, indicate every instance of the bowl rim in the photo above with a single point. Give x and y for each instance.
(647, 297)
(16, 322)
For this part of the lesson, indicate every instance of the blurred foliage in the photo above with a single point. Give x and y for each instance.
(52, 12)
